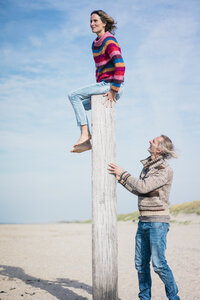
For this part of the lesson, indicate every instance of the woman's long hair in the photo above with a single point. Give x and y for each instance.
(106, 19)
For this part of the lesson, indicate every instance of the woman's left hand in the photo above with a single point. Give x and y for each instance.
(111, 97)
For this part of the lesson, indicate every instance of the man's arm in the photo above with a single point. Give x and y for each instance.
(122, 177)
(141, 186)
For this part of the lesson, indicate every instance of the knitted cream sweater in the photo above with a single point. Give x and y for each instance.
(152, 189)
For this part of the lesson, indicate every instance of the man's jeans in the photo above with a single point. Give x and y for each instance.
(151, 242)
(81, 99)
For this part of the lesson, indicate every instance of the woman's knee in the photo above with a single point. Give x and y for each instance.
(72, 96)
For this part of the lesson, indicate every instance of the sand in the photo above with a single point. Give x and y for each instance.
(53, 261)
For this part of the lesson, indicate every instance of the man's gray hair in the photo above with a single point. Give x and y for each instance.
(167, 148)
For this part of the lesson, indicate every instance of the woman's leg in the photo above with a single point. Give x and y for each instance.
(80, 100)
(83, 143)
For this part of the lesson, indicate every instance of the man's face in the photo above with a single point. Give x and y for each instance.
(153, 149)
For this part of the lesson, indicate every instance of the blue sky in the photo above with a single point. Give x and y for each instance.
(45, 50)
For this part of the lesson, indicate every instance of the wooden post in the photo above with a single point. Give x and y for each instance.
(104, 216)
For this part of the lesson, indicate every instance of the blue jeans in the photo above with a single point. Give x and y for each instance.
(80, 99)
(151, 242)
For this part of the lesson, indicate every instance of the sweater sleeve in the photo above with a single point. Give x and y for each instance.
(125, 182)
(114, 53)
(151, 183)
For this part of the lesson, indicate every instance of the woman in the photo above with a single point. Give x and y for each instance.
(110, 70)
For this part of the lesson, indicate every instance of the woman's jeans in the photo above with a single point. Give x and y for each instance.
(81, 99)
(151, 242)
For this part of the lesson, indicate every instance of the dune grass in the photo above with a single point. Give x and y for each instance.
(128, 217)
(186, 208)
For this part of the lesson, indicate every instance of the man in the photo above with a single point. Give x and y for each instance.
(152, 189)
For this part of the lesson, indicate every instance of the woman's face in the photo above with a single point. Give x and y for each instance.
(97, 25)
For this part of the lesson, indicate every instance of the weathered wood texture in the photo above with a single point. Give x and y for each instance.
(104, 216)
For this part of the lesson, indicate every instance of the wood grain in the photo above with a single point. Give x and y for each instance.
(104, 216)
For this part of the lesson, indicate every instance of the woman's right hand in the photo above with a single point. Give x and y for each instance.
(111, 97)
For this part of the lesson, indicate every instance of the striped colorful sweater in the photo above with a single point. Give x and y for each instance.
(109, 62)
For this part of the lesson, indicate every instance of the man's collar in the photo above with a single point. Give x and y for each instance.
(148, 161)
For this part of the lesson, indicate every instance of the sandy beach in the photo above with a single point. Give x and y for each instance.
(53, 261)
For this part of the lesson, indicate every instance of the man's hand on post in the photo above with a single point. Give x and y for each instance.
(115, 170)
